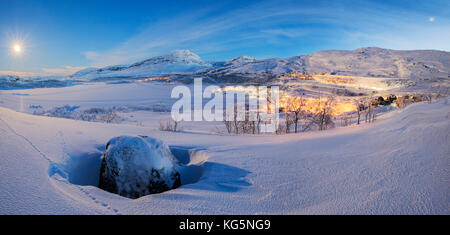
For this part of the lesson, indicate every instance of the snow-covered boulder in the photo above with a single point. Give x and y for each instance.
(137, 166)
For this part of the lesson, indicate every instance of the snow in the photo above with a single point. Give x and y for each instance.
(50, 161)
(241, 60)
(176, 56)
(92, 95)
(178, 61)
(378, 62)
(398, 165)
(362, 62)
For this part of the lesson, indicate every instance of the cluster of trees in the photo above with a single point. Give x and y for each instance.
(244, 126)
(295, 117)
(298, 116)
(366, 109)
(427, 97)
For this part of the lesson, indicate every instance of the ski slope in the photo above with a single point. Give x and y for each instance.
(398, 165)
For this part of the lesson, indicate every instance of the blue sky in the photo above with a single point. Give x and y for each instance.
(60, 37)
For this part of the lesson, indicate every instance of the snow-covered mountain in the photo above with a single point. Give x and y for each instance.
(239, 61)
(369, 62)
(377, 62)
(178, 61)
(183, 64)
(173, 57)
(267, 66)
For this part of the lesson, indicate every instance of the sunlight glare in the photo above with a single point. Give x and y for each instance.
(17, 48)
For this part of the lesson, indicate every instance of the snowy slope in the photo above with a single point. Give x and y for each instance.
(246, 65)
(377, 62)
(368, 62)
(399, 165)
(178, 61)
(239, 61)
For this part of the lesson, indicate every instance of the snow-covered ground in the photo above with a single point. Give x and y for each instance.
(397, 165)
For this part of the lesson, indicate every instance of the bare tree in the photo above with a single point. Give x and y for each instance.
(324, 118)
(345, 119)
(428, 97)
(369, 110)
(169, 125)
(288, 122)
(245, 126)
(308, 121)
(228, 126)
(110, 117)
(281, 129)
(295, 106)
(360, 107)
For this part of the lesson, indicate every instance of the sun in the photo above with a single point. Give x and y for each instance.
(17, 48)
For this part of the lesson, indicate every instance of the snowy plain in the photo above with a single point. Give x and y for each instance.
(397, 165)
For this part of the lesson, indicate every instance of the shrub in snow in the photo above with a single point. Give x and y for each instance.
(91, 115)
(168, 126)
(137, 166)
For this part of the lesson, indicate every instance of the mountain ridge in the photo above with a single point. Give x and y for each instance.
(367, 61)
(364, 62)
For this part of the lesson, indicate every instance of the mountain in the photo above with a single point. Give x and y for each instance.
(255, 67)
(174, 57)
(365, 62)
(239, 61)
(377, 62)
(370, 62)
(178, 61)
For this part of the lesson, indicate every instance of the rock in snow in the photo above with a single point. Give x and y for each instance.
(137, 166)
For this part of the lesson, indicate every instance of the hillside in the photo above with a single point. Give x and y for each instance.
(366, 62)
(377, 62)
(178, 61)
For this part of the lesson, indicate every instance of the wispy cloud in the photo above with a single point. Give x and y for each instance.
(291, 33)
(281, 23)
(67, 70)
(63, 71)
(20, 74)
(196, 30)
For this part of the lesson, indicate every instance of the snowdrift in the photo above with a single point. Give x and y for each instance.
(398, 165)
